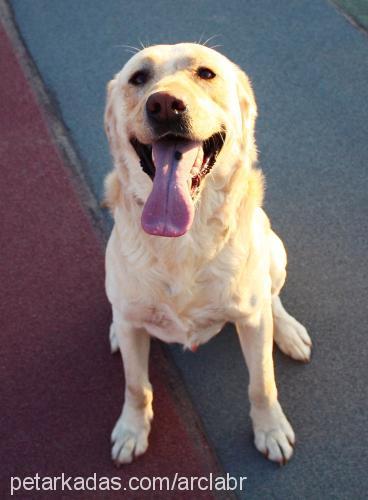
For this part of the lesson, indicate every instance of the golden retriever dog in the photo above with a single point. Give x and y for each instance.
(191, 247)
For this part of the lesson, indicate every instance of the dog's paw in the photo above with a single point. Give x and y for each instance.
(292, 338)
(114, 344)
(129, 437)
(273, 435)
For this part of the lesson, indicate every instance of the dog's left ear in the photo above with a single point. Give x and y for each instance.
(248, 107)
(109, 118)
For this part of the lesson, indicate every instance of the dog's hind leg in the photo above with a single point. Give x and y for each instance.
(290, 336)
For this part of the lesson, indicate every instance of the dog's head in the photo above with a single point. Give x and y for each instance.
(174, 115)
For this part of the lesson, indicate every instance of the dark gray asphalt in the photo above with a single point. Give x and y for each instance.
(309, 71)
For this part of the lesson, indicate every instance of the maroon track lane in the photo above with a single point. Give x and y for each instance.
(61, 390)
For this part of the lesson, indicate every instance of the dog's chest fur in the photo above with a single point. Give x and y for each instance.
(180, 290)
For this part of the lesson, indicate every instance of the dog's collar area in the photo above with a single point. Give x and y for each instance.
(211, 148)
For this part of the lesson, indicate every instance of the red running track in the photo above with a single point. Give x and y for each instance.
(61, 390)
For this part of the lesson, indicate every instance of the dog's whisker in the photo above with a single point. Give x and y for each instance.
(210, 38)
(143, 46)
(147, 43)
(133, 49)
(200, 38)
(213, 47)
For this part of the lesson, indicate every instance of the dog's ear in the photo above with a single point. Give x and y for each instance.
(109, 118)
(112, 185)
(112, 194)
(248, 107)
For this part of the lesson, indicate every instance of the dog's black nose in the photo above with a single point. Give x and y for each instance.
(163, 107)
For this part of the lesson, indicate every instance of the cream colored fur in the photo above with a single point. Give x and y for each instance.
(230, 266)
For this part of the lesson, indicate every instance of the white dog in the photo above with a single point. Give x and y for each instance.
(191, 247)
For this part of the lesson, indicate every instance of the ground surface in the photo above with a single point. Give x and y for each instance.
(356, 10)
(309, 71)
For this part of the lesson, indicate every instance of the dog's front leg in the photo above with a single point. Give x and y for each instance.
(130, 434)
(273, 434)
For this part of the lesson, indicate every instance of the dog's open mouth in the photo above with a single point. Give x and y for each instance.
(204, 162)
(177, 167)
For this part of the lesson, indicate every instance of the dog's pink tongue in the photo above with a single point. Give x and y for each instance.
(169, 209)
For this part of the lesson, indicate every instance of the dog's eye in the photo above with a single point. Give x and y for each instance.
(139, 77)
(205, 73)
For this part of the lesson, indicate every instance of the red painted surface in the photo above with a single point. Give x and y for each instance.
(61, 390)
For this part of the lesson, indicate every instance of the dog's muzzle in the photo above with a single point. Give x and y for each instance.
(176, 162)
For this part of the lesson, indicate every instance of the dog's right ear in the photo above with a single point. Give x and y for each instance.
(109, 118)
(112, 194)
(112, 185)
